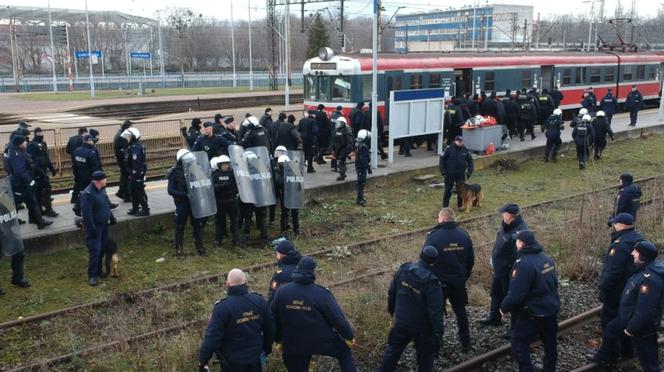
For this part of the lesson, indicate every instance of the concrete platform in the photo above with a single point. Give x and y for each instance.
(63, 234)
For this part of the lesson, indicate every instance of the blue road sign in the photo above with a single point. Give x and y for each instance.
(84, 54)
(140, 55)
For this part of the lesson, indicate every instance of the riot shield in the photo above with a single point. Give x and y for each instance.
(199, 184)
(261, 176)
(294, 180)
(11, 242)
(242, 175)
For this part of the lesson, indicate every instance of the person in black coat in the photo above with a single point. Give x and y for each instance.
(534, 303)
(210, 143)
(38, 150)
(511, 113)
(255, 135)
(583, 136)
(342, 145)
(609, 104)
(280, 184)
(589, 103)
(552, 127)
(287, 259)
(503, 256)
(602, 128)
(633, 104)
(557, 96)
(362, 164)
(366, 124)
(489, 107)
(310, 322)
(640, 311)
(453, 120)
(415, 303)
(527, 116)
(628, 199)
(456, 258)
(73, 143)
(137, 172)
(97, 215)
(456, 164)
(323, 136)
(267, 123)
(226, 195)
(240, 330)
(546, 106)
(308, 131)
(193, 132)
(120, 146)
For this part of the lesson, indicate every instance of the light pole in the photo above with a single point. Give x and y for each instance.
(287, 56)
(87, 26)
(251, 67)
(50, 34)
(374, 87)
(233, 45)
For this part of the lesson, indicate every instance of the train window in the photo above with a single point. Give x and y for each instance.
(434, 81)
(416, 81)
(324, 88)
(640, 72)
(310, 87)
(595, 75)
(341, 89)
(393, 83)
(609, 74)
(652, 72)
(627, 74)
(567, 76)
(490, 81)
(580, 77)
(366, 88)
(526, 79)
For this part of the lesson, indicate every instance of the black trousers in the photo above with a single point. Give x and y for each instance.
(397, 341)
(43, 193)
(123, 187)
(182, 214)
(552, 147)
(525, 330)
(499, 287)
(459, 300)
(138, 195)
(231, 209)
(452, 180)
(27, 195)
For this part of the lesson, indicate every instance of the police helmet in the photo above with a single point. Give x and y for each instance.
(362, 134)
(601, 113)
(283, 159)
(557, 112)
(181, 153)
(249, 155)
(134, 132)
(586, 118)
(214, 162)
(583, 111)
(280, 149)
(251, 120)
(341, 122)
(224, 159)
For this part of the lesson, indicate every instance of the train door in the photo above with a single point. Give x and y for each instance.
(463, 81)
(394, 81)
(547, 77)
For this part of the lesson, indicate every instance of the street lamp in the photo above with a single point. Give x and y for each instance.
(87, 26)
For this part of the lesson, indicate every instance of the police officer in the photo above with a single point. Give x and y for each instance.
(342, 145)
(456, 164)
(228, 205)
(21, 171)
(267, 123)
(362, 166)
(255, 135)
(583, 136)
(634, 103)
(534, 303)
(415, 304)
(177, 188)
(602, 128)
(380, 128)
(324, 132)
(557, 96)
(456, 258)
(228, 132)
(240, 330)
(18, 273)
(355, 117)
(120, 146)
(286, 134)
(73, 143)
(511, 112)
(96, 218)
(553, 125)
(86, 162)
(310, 322)
(38, 150)
(609, 104)
(546, 107)
(279, 182)
(308, 130)
(137, 170)
(640, 311)
(628, 199)
(589, 102)
(453, 121)
(617, 269)
(287, 259)
(211, 144)
(192, 133)
(578, 119)
(502, 259)
(527, 116)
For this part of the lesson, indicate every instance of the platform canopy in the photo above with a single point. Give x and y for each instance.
(24, 14)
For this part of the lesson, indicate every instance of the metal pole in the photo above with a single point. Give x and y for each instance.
(126, 52)
(287, 57)
(486, 34)
(474, 13)
(590, 26)
(161, 51)
(103, 73)
(87, 27)
(151, 48)
(71, 80)
(14, 53)
(374, 88)
(233, 45)
(50, 34)
(251, 67)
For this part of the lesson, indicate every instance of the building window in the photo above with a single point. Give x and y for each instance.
(609, 74)
(526, 79)
(341, 89)
(490, 81)
(567, 76)
(416, 81)
(580, 75)
(434, 81)
(366, 88)
(595, 75)
(640, 72)
(627, 74)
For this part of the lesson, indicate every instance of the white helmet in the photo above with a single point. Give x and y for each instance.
(135, 132)
(280, 149)
(601, 113)
(586, 118)
(250, 120)
(557, 112)
(362, 134)
(283, 159)
(583, 111)
(249, 155)
(224, 159)
(183, 153)
(214, 162)
(341, 122)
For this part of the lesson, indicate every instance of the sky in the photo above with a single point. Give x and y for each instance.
(221, 8)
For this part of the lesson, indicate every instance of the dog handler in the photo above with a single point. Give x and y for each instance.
(456, 164)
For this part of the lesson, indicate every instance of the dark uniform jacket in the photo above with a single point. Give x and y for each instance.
(86, 161)
(192, 135)
(628, 200)
(554, 124)
(415, 299)
(73, 143)
(136, 161)
(94, 208)
(20, 168)
(618, 265)
(602, 129)
(225, 188)
(527, 109)
(284, 273)
(533, 285)
(356, 116)
(177, 184)
(583, 135)
(342, 142)
(557, 97)
(366, 123)
(212, 145)
(308, 129)
(308, 318)
(588, 103)
(240, 329)
(120, 147)
(256, 136)
(38, 150)
(456, 256)
(546, 104)
(363, 157)
(286, 134)
(323, 123)
(641, 300)
(504, 249)
(489, 107)
(609, 104)
(634, 101)
(511, 110)
(456, 161)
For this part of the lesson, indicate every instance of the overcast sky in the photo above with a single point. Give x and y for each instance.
(221, 8)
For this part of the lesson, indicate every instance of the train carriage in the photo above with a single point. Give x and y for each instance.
(343, 80)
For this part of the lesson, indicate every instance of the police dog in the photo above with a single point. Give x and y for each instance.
(110, 258)
(471, 195)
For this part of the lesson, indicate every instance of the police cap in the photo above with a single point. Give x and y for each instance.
(510, 208)
(647, 250)
(429, 254)
(285, 247)
(98, 175)
(526, 236)
(623, 218)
